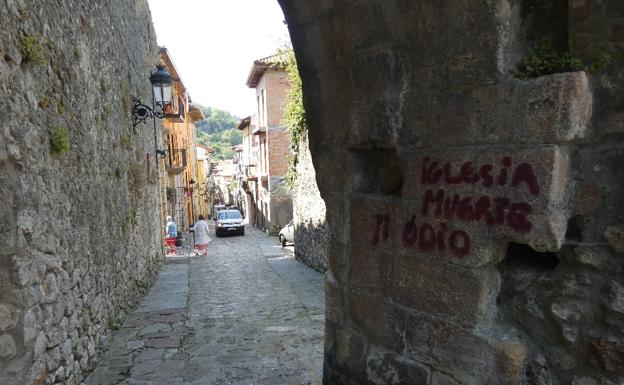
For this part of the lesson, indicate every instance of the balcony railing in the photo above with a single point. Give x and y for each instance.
(176, 161)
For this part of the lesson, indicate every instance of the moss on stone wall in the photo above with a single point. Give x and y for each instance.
(126, 141)
(542, 59)
(31, 50)
(44, 102)
(59, 139)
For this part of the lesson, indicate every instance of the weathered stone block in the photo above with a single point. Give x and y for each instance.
(552, 109)
(512, 355)
(31, 295)
(381, 322)
(372, 223)
(66, 352)
(371, 272)
(56, 336)
(376, 123)
(347, 353)
(458, 294)
(52, 262)
(332, 377)
(41, 343)
(331, 118)
(26, 272)
(450, 349)
(9, 317)
(8, 348)
(50, 288)
(615, 237)
(389, 368)
(607, 355)
(334, 304)
(338, 261)
(53, 359)
(337, 213)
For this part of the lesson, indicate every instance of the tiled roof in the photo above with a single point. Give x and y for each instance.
(244, 123)
(259, 67)
(279, 59)
(207, 148)
(196, 113)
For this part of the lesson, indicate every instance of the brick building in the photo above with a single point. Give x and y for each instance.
(266, 145)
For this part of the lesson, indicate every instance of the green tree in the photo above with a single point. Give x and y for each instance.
(216, 120)
(219, 131)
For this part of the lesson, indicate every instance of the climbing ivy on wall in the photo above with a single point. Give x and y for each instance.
(294, 113)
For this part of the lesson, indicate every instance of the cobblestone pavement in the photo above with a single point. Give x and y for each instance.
(244, 314)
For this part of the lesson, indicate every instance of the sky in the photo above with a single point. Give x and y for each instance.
(213, 44)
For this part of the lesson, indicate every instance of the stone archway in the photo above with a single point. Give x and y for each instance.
(475, 217)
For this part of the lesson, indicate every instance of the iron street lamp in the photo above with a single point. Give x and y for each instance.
(161, 97)
(161, 82)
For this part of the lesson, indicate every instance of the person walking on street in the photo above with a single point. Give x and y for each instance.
(201, 236)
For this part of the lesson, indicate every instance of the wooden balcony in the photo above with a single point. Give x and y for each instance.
(176, 161)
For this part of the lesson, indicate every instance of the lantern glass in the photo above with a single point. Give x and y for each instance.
(162, 94)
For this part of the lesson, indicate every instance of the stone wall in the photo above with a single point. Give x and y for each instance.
(280, 204)
(476, 219)
(80, 237)
(311, 229)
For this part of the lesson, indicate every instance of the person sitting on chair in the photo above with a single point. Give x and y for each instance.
(171, 232)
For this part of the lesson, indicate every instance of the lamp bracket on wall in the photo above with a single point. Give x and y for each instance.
(141, 112)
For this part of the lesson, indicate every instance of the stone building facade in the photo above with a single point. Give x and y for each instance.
(79, 207)
(476, 218)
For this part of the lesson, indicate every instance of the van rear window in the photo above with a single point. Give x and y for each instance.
(229, 215)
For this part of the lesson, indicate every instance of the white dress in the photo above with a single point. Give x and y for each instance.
(201, 233)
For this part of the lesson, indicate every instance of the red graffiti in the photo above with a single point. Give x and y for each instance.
(441, 205)
(496, 211)
(427, 239)
(524, 173)
(433, 172)
(381, 228)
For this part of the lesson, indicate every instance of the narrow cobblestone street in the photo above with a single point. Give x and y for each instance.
(246, 313)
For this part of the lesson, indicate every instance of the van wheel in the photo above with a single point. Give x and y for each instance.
(282, 240)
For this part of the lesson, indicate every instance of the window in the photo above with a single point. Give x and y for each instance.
(230, 214)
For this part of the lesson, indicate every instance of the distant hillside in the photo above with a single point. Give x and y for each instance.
(216, 120)
(218, 131)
